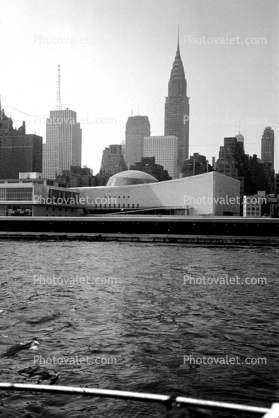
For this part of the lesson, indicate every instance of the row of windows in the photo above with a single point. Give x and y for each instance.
(59, 209)
(23, 193)
(115, 206)
(115, 197)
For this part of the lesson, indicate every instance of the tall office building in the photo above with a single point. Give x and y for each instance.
(268, 146)
(231, 162)
(262, 175)
(19, 152)
(177, 109)
(165, 151)
(137, 127)
(63, 140)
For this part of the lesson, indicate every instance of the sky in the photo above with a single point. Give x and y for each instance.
(116, 57)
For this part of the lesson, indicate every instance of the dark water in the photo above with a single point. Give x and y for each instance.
(145, 321)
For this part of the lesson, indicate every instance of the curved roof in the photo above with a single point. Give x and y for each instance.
(130, 177)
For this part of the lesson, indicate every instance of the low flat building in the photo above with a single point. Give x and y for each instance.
(255, 206)
(27, 198)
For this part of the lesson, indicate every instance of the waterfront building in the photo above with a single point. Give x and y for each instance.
(37, 197)
(252, 205)
(267, 146)
(138, 192)
(177, 109)
(19, 152)
(148, 165)
(196, 164)
(137, 127)
(130, 191)
(165, 151)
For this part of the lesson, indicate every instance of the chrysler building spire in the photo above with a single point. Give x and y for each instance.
(177, 108)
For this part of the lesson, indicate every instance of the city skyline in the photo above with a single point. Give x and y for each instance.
(102, 80)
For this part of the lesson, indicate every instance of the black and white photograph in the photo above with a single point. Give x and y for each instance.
(139, 208)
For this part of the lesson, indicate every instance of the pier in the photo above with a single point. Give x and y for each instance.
(211, 231)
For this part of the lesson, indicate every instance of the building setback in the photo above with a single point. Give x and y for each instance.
(268, 146)
(137, 127)
(165, 151)
(19, 152)
(177, 109)
(63, 143)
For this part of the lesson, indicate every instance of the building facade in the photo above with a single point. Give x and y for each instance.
(232, 162)
(112, 160)
(149, 166)
(77, 177)
(267, 155)
(165, 151)
(63, 143)
(262, 175)
(177, 109)
(205, 194)
(19, 152)
(32, 198)
(276, 186)
(196, 164)
(240, 138)
(137, 127)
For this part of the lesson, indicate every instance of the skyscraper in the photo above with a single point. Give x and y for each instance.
(137, 127)
(231, 161)
(19, 152)
(164, 149)
(268, 146)
(177, 109)
(63, 140)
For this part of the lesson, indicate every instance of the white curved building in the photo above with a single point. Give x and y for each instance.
(205, 194)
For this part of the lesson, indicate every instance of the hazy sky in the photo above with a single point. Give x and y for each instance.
(118, 53)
